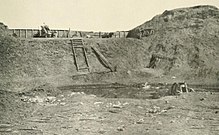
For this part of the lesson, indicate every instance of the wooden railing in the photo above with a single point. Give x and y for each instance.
(29, 33)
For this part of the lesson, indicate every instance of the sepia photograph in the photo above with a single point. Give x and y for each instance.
(109, 67)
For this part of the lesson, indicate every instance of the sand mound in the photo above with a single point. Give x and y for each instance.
(32, 62)
(181, 43)
(190, 35)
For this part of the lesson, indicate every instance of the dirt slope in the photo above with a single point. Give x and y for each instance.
(36, 66)
(186, 41)
(28, 63)
(190, 35)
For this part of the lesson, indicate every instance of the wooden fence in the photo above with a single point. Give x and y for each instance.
(29, 33)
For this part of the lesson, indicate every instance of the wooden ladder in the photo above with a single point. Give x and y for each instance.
(79, 43)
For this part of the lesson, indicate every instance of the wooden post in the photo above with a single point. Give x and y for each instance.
(25, 33)
(19, 33)
(124, 33)
(68, 35)
(119, 34)
(58, 33)
(13, 31)
(34, 31)
(40, 32)
(64, 32)
(31, 33)
(99, 34)
(80, 34)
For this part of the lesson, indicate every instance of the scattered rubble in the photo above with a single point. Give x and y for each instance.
(146, 86)
(121, 128)
(140, 121)
(115, 110)
(182, 34)
(202, 99)
(154, 109)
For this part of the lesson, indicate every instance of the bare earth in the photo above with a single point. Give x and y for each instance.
(185, 42)
(70, 113)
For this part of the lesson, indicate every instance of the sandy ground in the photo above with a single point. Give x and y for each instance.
(188, 34)
(78, 113)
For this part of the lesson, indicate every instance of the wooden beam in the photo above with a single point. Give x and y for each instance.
(99, 34)
(74, 55)
(86, 59)
(32, 33)
(25, 33)
(19, 33)
(40, 32)
(102, 59)
(68, 34)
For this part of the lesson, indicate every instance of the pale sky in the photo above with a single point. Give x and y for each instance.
(88, 15)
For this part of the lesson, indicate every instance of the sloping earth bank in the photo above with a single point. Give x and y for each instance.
(34, 67)
(186, 40)
(28, 63)
(189, 36)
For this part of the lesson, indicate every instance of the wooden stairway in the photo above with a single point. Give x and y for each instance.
(79, 43)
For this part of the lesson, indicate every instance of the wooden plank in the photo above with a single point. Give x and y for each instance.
(75, 46)
(104, 61)
(77, 43)
(40, 32)
(32, 33)
(68, 34)
(99, 34)
(86, 59)
(19, 33)
(80, 34)
(25, 33)
(77, 40)
(74, 55)
(84, 68)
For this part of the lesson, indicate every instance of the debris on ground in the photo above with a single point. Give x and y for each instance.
(154, 109)
(146, 86)
(115, 110)
(202, 99)
(37, 96)
(121, 128)
(140, 121)
(179, 88)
